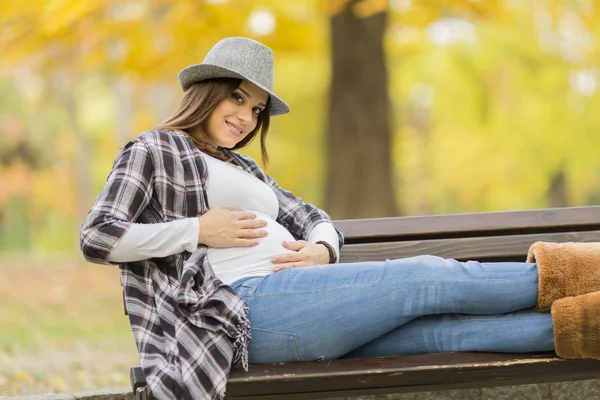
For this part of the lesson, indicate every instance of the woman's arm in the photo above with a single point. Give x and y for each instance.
(144, 241)
(124, 197)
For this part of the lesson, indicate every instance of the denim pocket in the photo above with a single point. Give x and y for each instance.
(272, 346)
(248, 286)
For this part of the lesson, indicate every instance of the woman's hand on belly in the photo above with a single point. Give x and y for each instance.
(222, 227)
(304, 254)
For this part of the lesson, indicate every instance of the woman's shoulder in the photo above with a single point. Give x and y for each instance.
(249, 164)
(242, 157)
(246, 161)
(155, 136)
(161, 140)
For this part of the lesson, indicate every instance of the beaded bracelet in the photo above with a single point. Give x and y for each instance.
(332, 256)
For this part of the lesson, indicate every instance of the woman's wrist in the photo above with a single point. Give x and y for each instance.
(330, 251)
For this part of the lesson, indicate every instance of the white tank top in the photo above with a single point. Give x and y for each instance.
(248, 194)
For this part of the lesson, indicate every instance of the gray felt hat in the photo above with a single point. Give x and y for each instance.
(237, 57)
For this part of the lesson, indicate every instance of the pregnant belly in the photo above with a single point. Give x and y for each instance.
(242, 260)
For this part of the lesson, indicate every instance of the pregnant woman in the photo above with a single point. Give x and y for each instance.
(221, 266)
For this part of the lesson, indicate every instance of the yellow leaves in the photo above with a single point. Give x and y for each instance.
(20, 381)
(333, 7)
(151, 40)
(149, 37)
(55, 32)
(367, 8)
(22, 377)
(60, 16)
(58, 384)
(360, 8)
(535, 124)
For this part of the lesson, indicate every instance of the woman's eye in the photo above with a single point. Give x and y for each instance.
(237, 98)
(257, 111)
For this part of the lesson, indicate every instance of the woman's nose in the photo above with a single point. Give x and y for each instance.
(244, 114)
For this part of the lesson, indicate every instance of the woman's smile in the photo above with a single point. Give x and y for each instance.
(235, 129)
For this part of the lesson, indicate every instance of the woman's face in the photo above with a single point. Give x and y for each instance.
(236, 115)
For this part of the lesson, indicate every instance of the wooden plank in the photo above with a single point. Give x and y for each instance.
(482, 248)
(475, 224)
(349, 377)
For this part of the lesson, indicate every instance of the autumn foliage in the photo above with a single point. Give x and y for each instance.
(493, 103)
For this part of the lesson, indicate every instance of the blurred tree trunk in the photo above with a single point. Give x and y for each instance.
(359, 170)
(557, 192)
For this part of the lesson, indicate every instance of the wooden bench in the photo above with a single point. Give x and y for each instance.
(499, 236)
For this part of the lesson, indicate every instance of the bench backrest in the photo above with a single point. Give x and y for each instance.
(496, 236)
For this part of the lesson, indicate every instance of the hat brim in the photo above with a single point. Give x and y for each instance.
(200, 72)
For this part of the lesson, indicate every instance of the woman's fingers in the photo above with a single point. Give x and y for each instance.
(251, 233)
(244, 215)
(296, 245)
(298, 264)
(288, 258)
(250, 228)
(252, 223)
(244, 243)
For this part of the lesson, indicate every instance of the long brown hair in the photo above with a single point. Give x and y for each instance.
(198, 103)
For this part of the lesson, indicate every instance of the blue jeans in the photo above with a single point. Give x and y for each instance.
(414, 305)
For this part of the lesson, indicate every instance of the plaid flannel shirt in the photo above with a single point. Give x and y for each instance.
(189, 327)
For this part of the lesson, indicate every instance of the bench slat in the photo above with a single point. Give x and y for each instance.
(350, 377)
(475, 224)
(482, 248)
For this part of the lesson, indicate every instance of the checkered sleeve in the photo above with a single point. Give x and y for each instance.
(127, 192)
(298, 217)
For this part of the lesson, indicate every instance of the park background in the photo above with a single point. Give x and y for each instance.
(400, 107)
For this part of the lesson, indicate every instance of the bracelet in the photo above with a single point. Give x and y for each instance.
(332, 255)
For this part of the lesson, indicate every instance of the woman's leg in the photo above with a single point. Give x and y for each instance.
(518, 332)
(328, 311)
